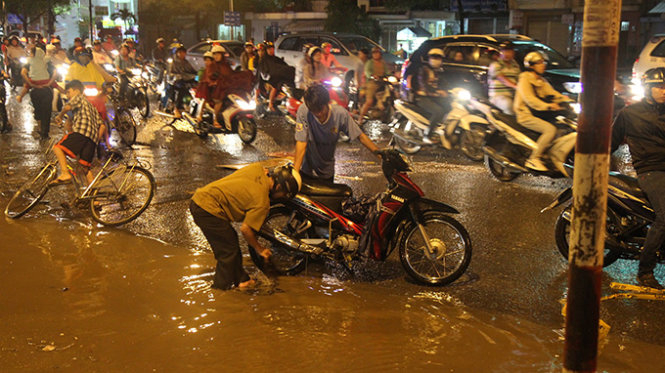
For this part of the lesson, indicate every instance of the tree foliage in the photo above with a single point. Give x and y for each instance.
(29, 11)
(346, 16)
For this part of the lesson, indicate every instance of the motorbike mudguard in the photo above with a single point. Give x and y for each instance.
(560, 199)
(466, 121)
(428, 204)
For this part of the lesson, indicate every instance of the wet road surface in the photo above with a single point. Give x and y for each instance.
(76, 296)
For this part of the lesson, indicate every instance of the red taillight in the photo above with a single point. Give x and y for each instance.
(404, 66)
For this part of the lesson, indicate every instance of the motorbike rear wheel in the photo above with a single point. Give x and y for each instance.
(126, 126)
(562, 234)
(499, 171)
(451, 249)
(407, 146)
(143, 102)
(471, 143)
(284, 260)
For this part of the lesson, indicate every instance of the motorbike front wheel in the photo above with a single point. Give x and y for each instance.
(450, 245)
(246, 129)
(562, 234)
(499, 171)
(284, 260)
(143, 102)
(471, 143)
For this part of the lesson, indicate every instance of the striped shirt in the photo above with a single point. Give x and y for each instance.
(85, 118)
(510, 70)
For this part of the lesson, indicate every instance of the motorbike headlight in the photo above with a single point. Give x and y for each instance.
(145, 75)
(108, 67)
(336, 82)
(115, 53)
(170, 60)
(577, 107)
(462, 94)
(392, 80)
(135, 71)
(573, 87)
(23, 60)
(246, 105)
(637, 92)
(63, 69)
(90, 92)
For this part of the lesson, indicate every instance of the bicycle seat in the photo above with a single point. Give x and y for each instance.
(315, 188)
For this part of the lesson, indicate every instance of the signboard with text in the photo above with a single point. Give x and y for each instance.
(232, 18)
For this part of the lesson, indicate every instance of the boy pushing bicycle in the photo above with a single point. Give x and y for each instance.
(82, 128)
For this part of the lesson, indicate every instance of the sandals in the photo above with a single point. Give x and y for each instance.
(59, 181)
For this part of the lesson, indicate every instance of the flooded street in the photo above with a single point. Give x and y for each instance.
(76, 296)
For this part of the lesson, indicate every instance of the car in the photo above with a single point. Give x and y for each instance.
(345, 47)
(478, 51)
(652, 55)
(232, 49)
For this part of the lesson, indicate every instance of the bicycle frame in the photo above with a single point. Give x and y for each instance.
(106, 170)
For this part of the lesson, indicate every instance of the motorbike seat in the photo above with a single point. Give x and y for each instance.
(413, 107)
(316, 188)
(627, 184)
(511, 121)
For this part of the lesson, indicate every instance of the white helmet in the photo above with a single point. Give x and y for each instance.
(217, 49)
(534, 58)
(207, 54)
(435, 52)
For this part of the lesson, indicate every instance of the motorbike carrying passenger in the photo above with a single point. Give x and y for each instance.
(315, 71)
(181, 76)
(225, 80)
(536, 102)
(431, 93)
(274, 71)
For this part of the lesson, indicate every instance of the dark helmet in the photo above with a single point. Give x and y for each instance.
(288, 179)
(653, 77)
(82, 51)
(507, 45)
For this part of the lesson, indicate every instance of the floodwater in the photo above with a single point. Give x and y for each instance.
(79, 297)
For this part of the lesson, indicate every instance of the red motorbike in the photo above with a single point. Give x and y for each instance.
(293, 97)
(324, 222)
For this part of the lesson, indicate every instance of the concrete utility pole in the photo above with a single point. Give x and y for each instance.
(587, 238)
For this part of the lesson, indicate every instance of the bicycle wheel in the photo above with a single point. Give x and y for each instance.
(30, 193)
(122, 195)
(143, 102)
(126, 126)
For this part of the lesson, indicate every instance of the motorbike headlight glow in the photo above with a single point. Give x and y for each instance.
(336, 82)
(392, 80)
(577, 107)
(637, 92)
(246, 105)
(23, 60)
(135, 71)
(91, 92)
(145, 75)
(63, 69)
(170, 60)
(109, 67)
(115, 53)
(462, 94)
(573, 87)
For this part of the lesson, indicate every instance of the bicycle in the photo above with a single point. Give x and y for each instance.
(120, 191)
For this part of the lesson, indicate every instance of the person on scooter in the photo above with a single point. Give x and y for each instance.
(181, 75)
(640, 125)
(431, 93)
(535, 98)
(315, 71)
(123, 64)
(14, 53)
(247, 57)
(328, 59)
(502, 78)
(275, 72)
(226, 81)
(318, 124)
(99, 55)
(244, 196)
(159, 57)
(375, 70)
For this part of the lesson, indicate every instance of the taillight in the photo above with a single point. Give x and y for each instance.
(404, 66)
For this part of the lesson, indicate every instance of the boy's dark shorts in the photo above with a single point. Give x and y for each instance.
(76, 145)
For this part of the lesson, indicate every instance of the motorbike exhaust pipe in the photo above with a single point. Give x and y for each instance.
(277, 237)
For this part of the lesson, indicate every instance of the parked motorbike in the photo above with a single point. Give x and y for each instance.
(629, 216)
(434, 248)
(461, 128)
(509, 144)
(384, 99)
(237, 114)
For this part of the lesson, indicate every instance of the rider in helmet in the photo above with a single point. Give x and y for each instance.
(314, 71)
(535, 99)
(640, 125)
(181, 76)
(375, 69)
(431, 93)
(244, 196)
